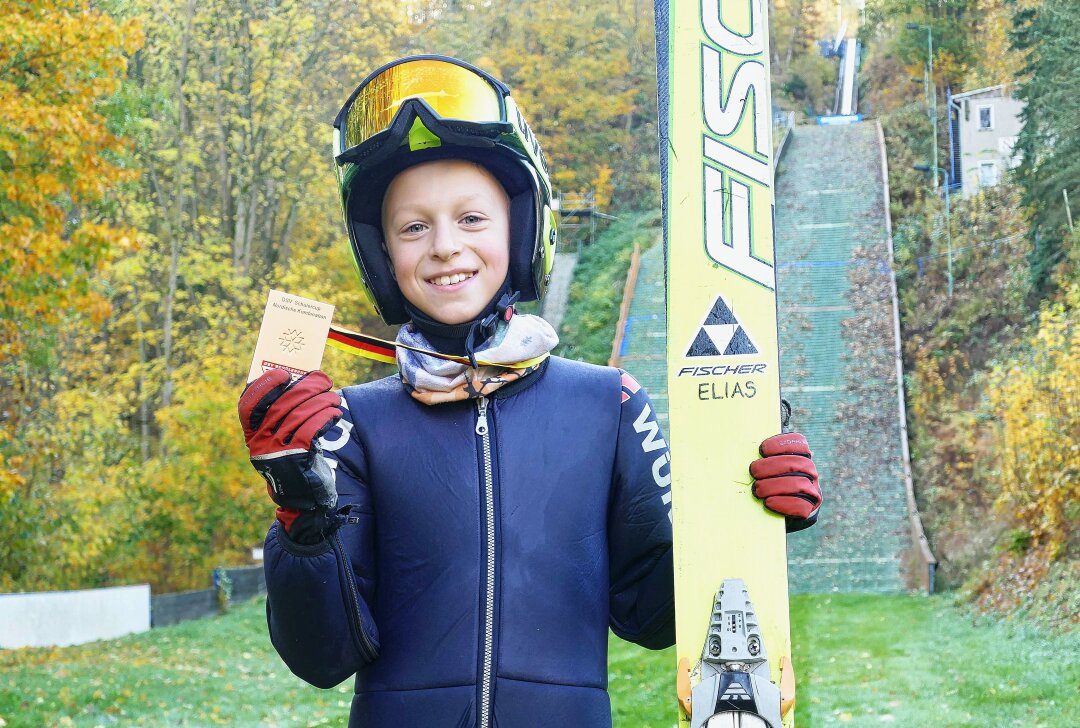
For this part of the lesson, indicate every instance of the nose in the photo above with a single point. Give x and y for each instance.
(445, 243)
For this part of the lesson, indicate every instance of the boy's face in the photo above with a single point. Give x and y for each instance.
(447, 230)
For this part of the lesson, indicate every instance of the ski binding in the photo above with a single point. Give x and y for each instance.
(731, 685)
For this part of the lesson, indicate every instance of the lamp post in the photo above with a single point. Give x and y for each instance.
(933, 89)
(948, 213)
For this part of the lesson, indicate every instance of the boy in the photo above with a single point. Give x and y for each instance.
(462, 536)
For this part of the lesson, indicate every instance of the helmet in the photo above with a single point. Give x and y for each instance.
(423, 108)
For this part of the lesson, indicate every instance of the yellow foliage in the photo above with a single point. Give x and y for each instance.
(59, 59)
(201, 504)
(603, 185)
(996, 62)
(1037, 403)
(584, 75)
(128, 462)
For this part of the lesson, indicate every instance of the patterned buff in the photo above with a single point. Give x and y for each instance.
(434, 381)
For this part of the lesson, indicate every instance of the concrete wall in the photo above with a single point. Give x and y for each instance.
(246, 582)
(59, 619)
(72, 617)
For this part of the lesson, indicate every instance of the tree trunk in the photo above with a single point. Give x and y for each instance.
(144, 404)
(178, 209)
(224, 174)
(286, 233)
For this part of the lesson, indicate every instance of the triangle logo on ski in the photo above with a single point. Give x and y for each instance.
(721, 334)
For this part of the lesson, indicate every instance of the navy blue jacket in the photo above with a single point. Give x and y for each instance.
(475, 573)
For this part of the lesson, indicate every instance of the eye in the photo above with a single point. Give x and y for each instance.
(472, 219)
(414, 228)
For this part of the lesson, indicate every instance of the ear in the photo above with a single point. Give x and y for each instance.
(389, 258)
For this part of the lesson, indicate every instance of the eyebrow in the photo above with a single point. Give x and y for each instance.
(461, 199)
(408, 207)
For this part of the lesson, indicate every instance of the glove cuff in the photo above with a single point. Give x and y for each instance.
(299, 549)
(794, 523)
(306, 528)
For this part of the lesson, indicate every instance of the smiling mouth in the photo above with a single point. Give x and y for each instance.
(451, 279)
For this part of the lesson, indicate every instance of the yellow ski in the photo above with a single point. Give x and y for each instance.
(732, 633)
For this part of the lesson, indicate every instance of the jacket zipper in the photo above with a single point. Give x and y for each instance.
(367, 650)
(483, 431)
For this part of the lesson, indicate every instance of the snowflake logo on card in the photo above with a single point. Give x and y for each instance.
(291, 340)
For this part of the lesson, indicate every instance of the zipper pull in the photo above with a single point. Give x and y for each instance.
(481, 420)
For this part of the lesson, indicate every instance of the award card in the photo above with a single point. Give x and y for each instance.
(293, 335)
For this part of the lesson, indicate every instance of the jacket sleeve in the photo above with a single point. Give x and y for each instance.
(319, 596)
(642, 594)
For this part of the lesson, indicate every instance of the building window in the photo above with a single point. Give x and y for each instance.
(986, 117)
(988, 174)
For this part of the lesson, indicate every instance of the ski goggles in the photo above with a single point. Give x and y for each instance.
(466, 105)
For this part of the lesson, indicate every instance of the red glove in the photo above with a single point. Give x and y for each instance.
(786, 479)
(282, 419)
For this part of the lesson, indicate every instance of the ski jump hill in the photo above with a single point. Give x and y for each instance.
(839, 359)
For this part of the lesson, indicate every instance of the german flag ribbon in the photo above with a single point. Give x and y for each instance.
(372, 347)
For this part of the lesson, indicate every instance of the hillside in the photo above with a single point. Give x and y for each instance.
(989, 359)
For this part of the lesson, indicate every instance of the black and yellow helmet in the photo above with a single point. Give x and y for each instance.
(423, 108)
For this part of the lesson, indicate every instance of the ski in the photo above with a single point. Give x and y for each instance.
(732, 631)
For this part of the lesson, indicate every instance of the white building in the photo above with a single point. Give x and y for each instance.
(983, 128)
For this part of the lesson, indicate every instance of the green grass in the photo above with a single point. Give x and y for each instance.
(861, 660)
(866, 660)
(592, 306)
(218, 671)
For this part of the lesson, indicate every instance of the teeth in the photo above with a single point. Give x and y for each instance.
(451, 280)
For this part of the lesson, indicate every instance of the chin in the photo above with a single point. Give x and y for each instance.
(453, 314)
(453, 320)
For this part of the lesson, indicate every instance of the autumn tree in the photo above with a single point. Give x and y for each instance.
(238, 196)
(584, 74)
(798, 70)
(1049, 169)
(60, 60)
(950, 21)
(137, 463)
(1035, 407)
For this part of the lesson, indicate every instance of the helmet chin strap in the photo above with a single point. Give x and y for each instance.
(465, 338)
(484, 328)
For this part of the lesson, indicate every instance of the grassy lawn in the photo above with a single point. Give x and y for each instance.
(912, 661)
(861, 660)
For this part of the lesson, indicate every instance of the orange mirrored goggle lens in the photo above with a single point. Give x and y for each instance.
(452, 91)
